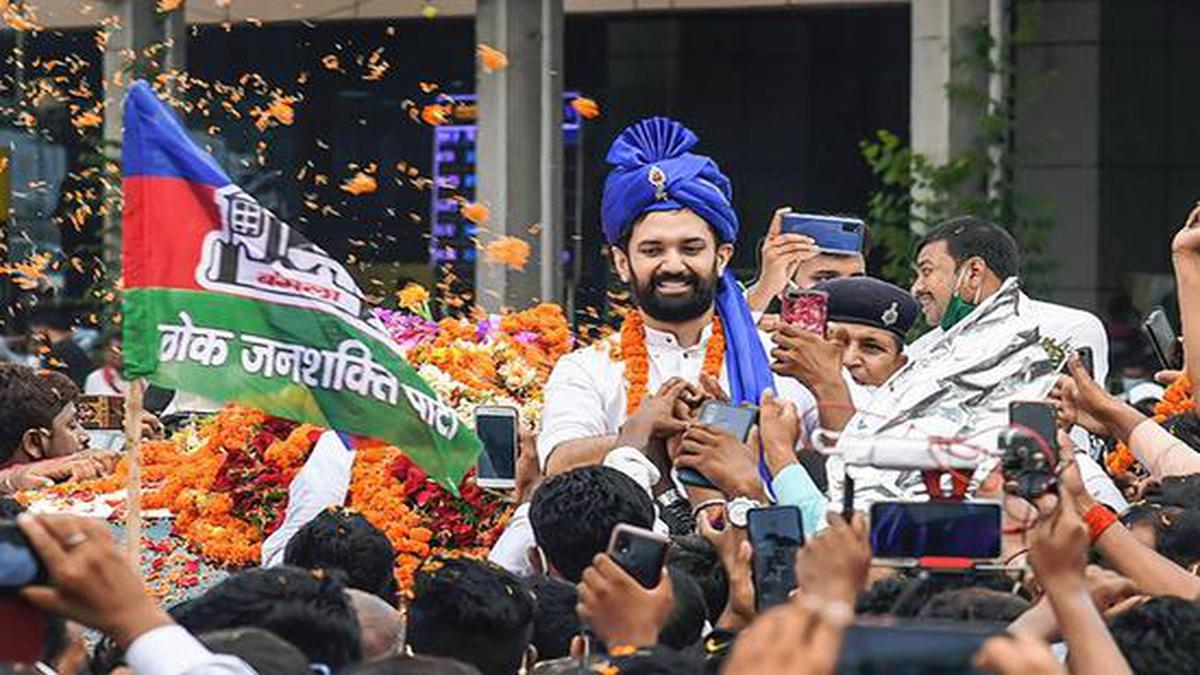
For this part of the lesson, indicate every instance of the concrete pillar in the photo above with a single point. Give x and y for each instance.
(943, 126)
(519, 152)
(141, 43)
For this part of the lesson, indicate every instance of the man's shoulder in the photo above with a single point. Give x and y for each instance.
(1066, 316)
(601, 354)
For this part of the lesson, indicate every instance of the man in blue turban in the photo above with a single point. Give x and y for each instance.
(668, 216)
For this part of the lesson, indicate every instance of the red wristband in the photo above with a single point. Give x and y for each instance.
(1098, 519)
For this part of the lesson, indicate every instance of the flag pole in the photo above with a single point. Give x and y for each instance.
(133, 458)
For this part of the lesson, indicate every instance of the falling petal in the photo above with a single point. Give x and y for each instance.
(586, 107)
(492, 59)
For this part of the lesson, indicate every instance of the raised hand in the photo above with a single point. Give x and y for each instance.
(723, 459)
(618, 609)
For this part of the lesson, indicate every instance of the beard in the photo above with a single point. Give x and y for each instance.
(676, 308)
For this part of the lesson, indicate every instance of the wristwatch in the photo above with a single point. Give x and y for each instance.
(737, 509)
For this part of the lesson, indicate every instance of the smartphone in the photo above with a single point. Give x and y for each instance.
(736, 420)
(733, 419)
(97, 411)
(640, 552)
(1088, 361)
(775, 533)
(833, 234)
(1038, 418)
(912, 646)
(945, 529)
(807, 309)
(19, 563)
(496, 427)
(1163, 339)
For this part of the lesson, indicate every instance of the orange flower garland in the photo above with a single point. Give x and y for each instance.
(637, 360)
(373, 494)
(1177, 399)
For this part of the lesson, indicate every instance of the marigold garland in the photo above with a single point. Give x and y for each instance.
(637, 359)
(1176, 400)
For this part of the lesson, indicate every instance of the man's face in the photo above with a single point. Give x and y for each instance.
(826, 266)
(66, 436)
(872, 354)
(935, 282)
(673, 265)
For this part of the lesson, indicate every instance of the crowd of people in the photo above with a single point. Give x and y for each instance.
(1097, 573)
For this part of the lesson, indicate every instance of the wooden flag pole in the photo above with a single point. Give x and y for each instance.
(133, 458)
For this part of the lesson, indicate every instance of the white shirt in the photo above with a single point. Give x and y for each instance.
(586, 393)
(104, 382)
(171, 650)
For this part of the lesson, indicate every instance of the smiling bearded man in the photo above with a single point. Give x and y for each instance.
(668, 216)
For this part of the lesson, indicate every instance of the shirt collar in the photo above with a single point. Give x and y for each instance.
(658, 338)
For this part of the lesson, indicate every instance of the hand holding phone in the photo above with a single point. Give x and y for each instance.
(737, 421)
(617, 607)
(807, 309)
(1163, 339)
(496, 427)
(640, 552)
(776, 533)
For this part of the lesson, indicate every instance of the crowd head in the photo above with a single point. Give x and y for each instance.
(38, 419)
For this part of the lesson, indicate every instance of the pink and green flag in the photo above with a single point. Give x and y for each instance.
(225, 300)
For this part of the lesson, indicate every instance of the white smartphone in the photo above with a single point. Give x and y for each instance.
(496, 427)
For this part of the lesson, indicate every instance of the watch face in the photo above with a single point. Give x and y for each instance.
(738, 510)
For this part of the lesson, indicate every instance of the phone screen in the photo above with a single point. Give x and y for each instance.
(806, 309)
(642, 553)
(945, 529)
(911, 648)
(498, 433)
(19, 564)
(1163, 340)
(1087, 360)
(776, 533)
(1037, 417)
(736, 420)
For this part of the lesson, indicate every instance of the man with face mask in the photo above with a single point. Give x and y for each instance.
(668, 216)
(965, 260)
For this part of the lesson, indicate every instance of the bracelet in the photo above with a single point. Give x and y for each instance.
(1098, 519)
(705, 504)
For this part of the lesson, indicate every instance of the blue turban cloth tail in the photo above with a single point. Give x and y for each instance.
(653, 171)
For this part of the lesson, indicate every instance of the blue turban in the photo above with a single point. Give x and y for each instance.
(653, 171)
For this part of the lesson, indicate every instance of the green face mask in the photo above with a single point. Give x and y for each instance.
(958, 309)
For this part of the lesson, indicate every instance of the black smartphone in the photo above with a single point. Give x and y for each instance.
(1036, 417)
(943, 529)
(1088, 360)
(736, 420)
(1163, 339)
(912, 647)
(775, 533)
(20, 565)
(640, 552)
(496, 427)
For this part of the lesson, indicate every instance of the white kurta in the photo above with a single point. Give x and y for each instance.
(585, 396)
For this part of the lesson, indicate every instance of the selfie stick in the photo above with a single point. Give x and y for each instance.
(133, 482)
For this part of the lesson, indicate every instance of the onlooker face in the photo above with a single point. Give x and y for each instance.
(826, 266)
(66, 435)
(935, 283)
(673, 264)
(872, 354)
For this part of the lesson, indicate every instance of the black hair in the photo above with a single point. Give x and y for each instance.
(974, 604)
(262, 650)
(970, 237)
(1179, 537)
(415, 665)
(473, 611)
(686, 621)
(906, 594)
(308, 608)
(695, 555)
(555, 622)
(1182, 491)
(1159, 636)
(345, 540)
(573, 515)
(29, 399)
(657, 661)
